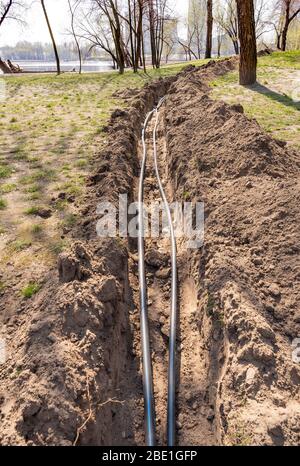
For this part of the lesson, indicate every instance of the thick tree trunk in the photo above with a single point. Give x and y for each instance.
(209, 29)
(52, 37)
(248, 49)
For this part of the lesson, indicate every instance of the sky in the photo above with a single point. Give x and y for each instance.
(36, 30)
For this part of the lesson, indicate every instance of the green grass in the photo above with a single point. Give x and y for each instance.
(289, 59)
(51, 127)
(8, 188)
(19, 245)
(57, 247)
(70, 220)
(30, 290)
(3, 204)
(5, 171)
(32, 210)
(34, 197)
(32, 189)
(36, 229)
(81, 163)
(270, 101)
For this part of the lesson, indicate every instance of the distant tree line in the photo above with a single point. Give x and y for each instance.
(24, 50)
(133, 32)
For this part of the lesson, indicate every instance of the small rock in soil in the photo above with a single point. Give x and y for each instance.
(165, 330)
(44, 213)
(163, 274)
(274, 290)
(162, 320)
(155, 259)
(257, 261)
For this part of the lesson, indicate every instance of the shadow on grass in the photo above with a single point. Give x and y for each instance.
(280, 98)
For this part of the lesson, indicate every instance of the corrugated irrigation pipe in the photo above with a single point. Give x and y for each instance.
(171, 421)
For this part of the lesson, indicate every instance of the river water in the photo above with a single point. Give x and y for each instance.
(42, 66)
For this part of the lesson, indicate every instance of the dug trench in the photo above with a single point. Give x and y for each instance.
(73, 374)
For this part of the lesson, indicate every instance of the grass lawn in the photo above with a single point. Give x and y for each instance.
(50, 128)
(275, 100)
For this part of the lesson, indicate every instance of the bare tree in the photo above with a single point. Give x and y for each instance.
(4, 10)
(262, 16)
(290, 10)
(52, 37)
(9, 10)
(219, 39)
(108, 11)
(94, 28)
(157, 16)
(133, 19)
(118, 29)
(196, 20)
(170, 38)
(247, 36)
(209, 29)
(73, 7)
(226, 17)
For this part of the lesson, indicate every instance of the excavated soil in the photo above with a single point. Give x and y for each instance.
(73, 374)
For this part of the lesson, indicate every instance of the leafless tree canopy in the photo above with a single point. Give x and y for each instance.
(10, 9)
(129, 31)
(120, 28)
(285, 12)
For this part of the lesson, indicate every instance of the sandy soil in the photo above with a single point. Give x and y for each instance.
(73, 375)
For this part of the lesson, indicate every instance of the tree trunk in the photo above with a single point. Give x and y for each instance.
(6, 11)
(279, 41)
(248, 48)
(236, 46)
(219, 46)
(4, 67)
(284, 38)
(209, 29)
(75, 35)
(131, 37)
(52, 37)
(139, 35)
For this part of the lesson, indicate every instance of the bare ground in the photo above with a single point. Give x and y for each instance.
(73, 375)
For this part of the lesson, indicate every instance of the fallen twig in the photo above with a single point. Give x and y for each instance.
(90, 412)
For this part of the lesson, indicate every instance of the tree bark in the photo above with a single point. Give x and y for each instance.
(248, 48)
(236, 46)
(279, 41)
(286, 25)
(4, 67)
(289, 17)
(209, 29)
(52, 37)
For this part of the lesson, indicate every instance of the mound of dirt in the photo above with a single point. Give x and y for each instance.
(247, 273)
(69, 350)
(73, 373)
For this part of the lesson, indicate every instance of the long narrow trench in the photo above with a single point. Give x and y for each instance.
(195, 418)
